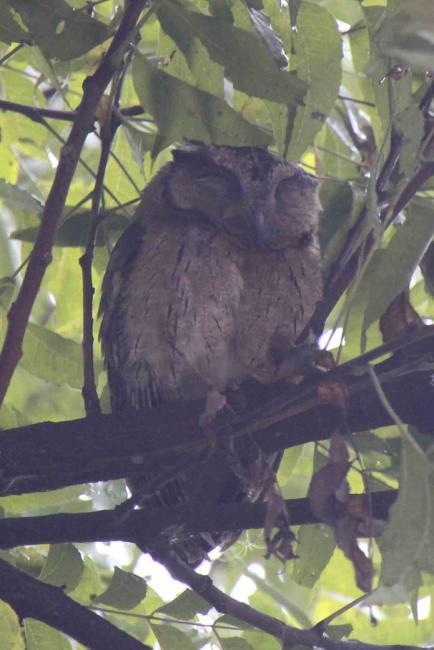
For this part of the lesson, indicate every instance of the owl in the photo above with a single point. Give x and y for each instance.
(211, 284)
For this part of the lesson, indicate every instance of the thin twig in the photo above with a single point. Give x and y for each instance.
(89, 392)
(11, 53)
(356, 101)
(109, 125)
(39, 114)
(36, 114)
(323, 623)
(402, 428)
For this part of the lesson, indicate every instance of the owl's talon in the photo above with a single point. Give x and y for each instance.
(215, 402)
(300, 358)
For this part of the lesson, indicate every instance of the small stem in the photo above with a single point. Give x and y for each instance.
(402, 428)
(10, 54)
(356, 101)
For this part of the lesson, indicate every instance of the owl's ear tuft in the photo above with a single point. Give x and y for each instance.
(309, 179)
(188, 157)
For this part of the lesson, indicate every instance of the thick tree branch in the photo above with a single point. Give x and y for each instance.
(147, 525)
(31, 598)
(51, 455)
(41, 255)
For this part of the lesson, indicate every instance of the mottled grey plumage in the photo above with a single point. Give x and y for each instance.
(212, 283)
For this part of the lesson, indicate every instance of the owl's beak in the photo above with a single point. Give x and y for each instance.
(261, 236)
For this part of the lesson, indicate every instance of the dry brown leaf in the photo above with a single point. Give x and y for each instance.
(333, 393)
(398, 318)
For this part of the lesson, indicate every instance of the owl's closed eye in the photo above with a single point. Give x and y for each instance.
(262, 201)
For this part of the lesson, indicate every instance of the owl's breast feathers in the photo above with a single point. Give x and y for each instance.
(184, 310)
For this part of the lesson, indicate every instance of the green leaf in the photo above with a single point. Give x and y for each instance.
(337, 156)
(11, 27)
(60, 31)
(338, 224)
(52, 357)
(43, 503)
(42, 637)
(314, 549)
(408, 541)
(63, 567)
(262, 24)
(74, 231)
(169, 638)
(336, 200)
(10, 628)
(7, 288)
(141, 141)
(317, 61)
(407, 33)
(338, 632)
(196, 114)
(186, 606)
(91, 582)
(10, 417)
(262, 641)
(228, 619)
(15, 196)
(410, 123)
(125, 591)
(395, 264)
(234, 643)
(244, 56)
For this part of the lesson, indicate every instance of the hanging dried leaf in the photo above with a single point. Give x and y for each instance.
(398, 318)
(333, 393)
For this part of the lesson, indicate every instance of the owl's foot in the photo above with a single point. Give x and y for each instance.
(278, 536)
(294, 363)
(215, 402)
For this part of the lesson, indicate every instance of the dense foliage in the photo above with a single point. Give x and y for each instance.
(342, 88)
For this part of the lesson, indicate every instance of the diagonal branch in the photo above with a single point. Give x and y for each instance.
(288, 635)
(94, 87)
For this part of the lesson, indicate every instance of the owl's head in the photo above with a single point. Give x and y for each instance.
(260, 200)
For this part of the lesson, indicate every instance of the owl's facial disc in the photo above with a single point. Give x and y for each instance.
(272, 211)
(200, 186)
(291, 211)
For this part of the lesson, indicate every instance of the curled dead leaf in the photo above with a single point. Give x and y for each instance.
(398, 318)
(334, 393)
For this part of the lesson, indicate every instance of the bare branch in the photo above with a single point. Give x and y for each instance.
(37, 114)
(147, 525)
(287, 635)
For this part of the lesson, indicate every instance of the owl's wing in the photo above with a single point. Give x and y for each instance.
(114, 340)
